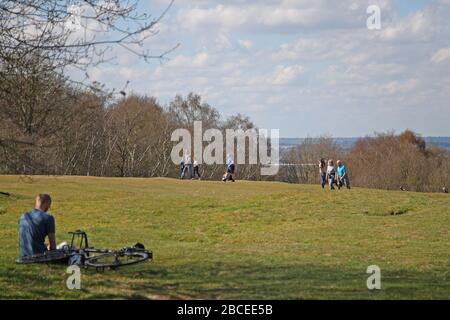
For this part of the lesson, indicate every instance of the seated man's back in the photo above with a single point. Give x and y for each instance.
(34, 226)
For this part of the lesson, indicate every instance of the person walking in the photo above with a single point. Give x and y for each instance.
(331, 175)
(181, 169)
(323, 172)
(196, 170)
(187, 165)
(229, 174)
(342, 175)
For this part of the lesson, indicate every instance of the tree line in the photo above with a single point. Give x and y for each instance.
(49, 126)
(384, 161)
(52, 124)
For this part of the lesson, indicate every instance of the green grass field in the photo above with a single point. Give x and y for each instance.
(233, 241)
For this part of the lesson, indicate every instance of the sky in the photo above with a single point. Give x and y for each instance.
(306, 67)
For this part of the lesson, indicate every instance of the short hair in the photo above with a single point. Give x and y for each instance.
(44, 198)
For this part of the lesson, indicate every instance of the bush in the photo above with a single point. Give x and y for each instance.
(389, 161)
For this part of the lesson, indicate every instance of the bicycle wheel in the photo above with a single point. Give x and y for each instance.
(46, 257)
(116, 259)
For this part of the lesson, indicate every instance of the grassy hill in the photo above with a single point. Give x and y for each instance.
(242, 240)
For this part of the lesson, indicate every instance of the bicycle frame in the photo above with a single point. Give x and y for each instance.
(92, 257)
(80, 236)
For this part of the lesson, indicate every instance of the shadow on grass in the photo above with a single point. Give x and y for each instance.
(229, 281)
(226, 281)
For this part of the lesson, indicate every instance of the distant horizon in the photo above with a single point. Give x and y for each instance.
(348, 142)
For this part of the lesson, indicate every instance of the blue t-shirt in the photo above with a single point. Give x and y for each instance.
(341, 170)
(34, 226)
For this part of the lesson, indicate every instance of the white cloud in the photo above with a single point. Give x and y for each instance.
(275, 15)
(441, 55)
(276, 59)
(198, 60)
(395, 87)
(285, 75)
(246, 44)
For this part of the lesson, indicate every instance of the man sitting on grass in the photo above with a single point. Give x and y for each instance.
(34, 226)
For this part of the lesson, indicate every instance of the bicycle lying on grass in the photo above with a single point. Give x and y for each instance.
(100, 259)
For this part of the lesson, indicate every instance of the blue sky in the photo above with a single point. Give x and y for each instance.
(307, 67)
(405, 7)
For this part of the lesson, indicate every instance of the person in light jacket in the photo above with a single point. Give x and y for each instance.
(187, 165)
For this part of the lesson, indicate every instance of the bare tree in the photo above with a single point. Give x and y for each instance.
(137, 121)
(40, 40)
(75, 33)
(302, 159)
(389, 161)
(32, 101)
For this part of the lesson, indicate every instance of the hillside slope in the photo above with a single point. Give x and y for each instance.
(242, 240)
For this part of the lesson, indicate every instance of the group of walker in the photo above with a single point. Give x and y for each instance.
(191, 169)
(331, 175)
